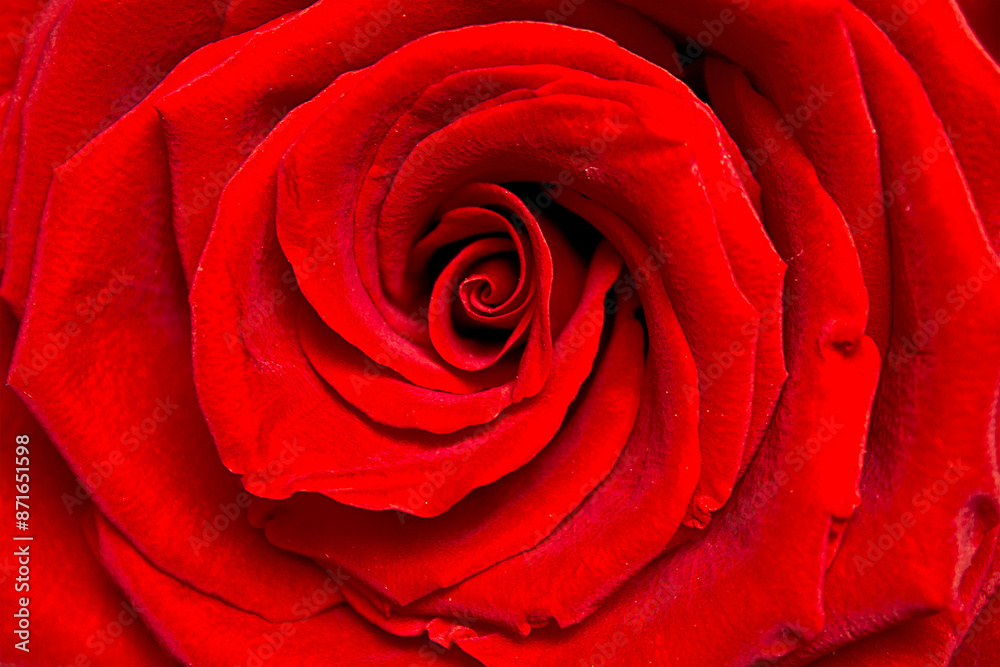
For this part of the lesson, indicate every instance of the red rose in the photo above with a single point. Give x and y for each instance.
(543, 333)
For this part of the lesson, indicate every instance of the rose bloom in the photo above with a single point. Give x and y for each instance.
(502, 332)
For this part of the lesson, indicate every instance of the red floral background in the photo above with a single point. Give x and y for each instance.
(532, 332)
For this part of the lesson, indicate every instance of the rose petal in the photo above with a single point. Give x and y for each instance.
(99, 625)
(89, 294)
(932, 462)
(202, 630)
(821, 103)
(99, 61)
(407, 557)
(935, 39)
(785, 505)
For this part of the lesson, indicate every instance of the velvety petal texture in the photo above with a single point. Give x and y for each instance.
(503, 332)
(76, 614)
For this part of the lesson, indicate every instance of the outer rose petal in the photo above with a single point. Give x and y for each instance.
(935, 39)
(76, 611)
(243, 15)
(824, 85)
(16, 19)
(10, 130)
(128, 296)
(98, 60)
(201, 630)
(921, 439)
(826, 352)
(951, 268)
